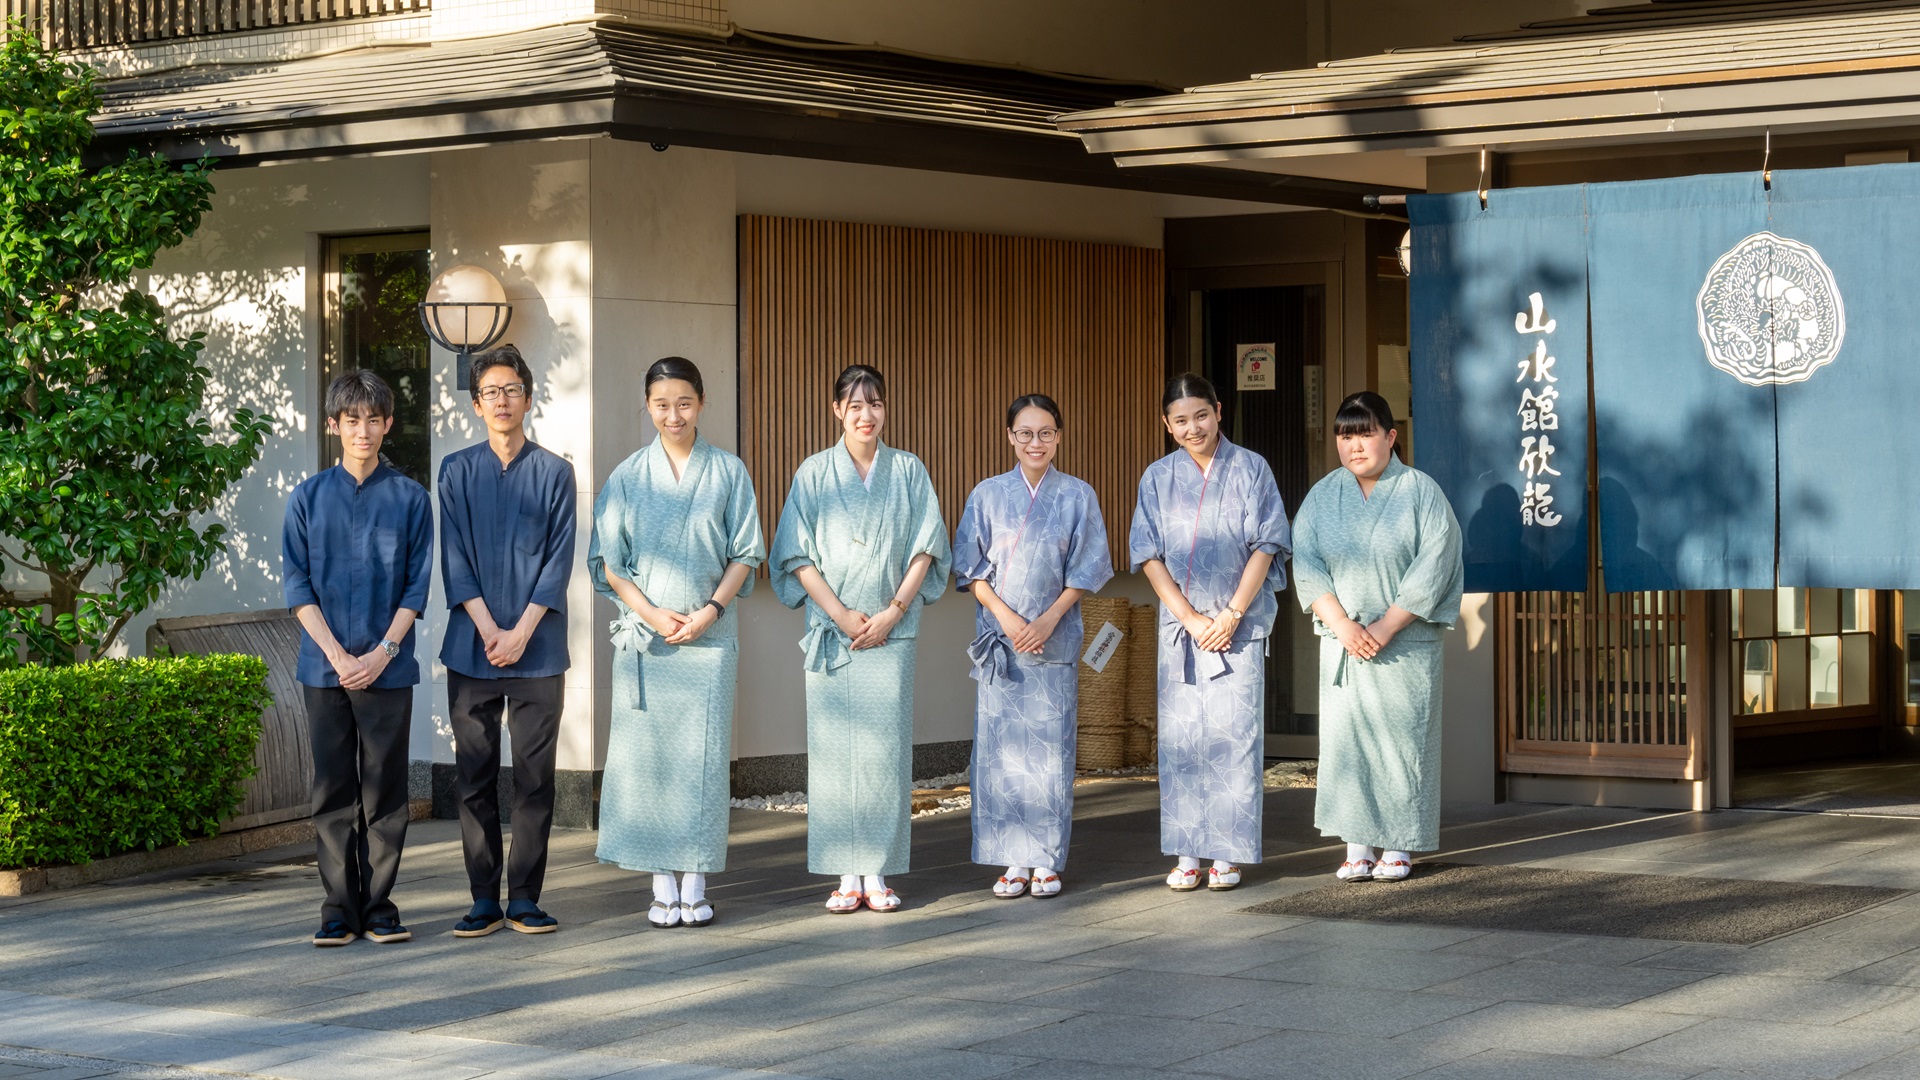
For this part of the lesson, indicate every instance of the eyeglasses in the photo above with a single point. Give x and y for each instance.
(1045, 435)
(513, 392)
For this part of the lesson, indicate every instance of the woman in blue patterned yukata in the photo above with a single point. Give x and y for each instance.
(1210, 532)
(1030, 544)
(676, 535)
(1377, 561)
(862, 546)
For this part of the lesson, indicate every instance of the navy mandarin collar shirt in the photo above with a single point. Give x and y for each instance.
(361, 552)
(506, 538)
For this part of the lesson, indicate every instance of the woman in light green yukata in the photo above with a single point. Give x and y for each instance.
(676, 535)
(1376, 559)
(862, 546)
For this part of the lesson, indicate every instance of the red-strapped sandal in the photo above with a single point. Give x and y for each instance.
(887, 901)
(1184, 880)
(1392, 870)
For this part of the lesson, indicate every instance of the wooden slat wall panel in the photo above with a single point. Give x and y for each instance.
(960, 324)
(76, 24)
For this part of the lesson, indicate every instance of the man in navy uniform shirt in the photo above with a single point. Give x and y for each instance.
(357, 550)
(507, 533)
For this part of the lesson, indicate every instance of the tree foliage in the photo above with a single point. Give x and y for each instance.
(106, 453)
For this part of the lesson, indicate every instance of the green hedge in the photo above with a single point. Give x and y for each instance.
(123, 755)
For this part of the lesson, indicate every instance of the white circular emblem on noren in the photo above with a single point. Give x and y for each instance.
(1770, 311)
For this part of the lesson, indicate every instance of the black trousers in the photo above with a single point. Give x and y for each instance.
(475, 706)
(359, 740)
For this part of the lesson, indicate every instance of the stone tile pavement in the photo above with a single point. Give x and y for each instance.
(207, 971)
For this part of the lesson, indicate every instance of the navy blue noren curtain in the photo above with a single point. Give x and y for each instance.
(1685, 450)
(1499, 355)
(1848, 513)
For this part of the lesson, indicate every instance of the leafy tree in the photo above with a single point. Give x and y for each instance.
(106, 453)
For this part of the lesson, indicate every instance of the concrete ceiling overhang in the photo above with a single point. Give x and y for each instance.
(591, 79)
(1643, 74)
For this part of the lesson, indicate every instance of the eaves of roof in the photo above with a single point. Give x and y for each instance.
(1692, 67)
(656, 86)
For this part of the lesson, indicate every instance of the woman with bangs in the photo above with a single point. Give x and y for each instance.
(1376, 559)
(862, 547)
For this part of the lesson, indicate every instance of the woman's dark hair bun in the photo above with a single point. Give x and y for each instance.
(675, 367)
(1181, 387)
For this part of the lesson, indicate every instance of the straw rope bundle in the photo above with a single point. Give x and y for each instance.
(1103, 694)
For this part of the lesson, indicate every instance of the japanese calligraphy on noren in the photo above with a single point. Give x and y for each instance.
(1537, 416)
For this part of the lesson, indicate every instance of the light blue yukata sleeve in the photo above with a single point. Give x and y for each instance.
(929, 533)
(793, 540)
(1266, 527)
(1089, 560)
(972, 540)
(746, 544)
(1311, 578)
(1143, 539)
(608, 542)
(1430, 586)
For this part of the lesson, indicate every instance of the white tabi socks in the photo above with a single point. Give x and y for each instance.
(693, 888)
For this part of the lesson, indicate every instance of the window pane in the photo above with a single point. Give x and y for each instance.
(1756, 676)
(1855, 609)
(1757, 613)
(1856, 660)
(1793, 611)
(1792, 655)
(1823, 672)
(1823, 611)
(377, 327)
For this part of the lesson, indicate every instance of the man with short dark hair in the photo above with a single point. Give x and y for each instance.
(507, 529)
(356, 554)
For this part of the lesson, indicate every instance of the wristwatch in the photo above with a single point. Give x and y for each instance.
(1235, 612)
(719, 609)
(899, 603)
(391, 648)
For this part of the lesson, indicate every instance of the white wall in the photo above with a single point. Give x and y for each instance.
(1467, 726)
(248, 279)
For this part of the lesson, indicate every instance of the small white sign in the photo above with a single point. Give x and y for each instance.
(1255, 364)
(1101, 649)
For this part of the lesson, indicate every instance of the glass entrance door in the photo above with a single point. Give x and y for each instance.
(1276, 410)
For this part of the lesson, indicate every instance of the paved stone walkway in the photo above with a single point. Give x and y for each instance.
(1118, 978)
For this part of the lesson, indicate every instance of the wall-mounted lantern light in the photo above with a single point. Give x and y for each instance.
(465, 312)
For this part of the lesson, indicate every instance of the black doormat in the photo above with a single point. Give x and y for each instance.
(1713, 910)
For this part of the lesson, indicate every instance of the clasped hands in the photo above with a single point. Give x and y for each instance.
(359, 672)
(868, 631)
(678, 629)
(1025, 636)
(1213, 635)
(1363, 642)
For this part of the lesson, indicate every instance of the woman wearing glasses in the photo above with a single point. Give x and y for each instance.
(676, 535)
(1031, 543)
